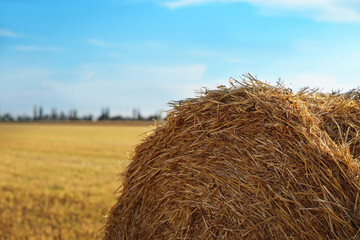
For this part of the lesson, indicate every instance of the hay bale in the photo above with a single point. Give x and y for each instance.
(247, 162)
(339, 115)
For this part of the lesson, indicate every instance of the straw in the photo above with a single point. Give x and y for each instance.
(252, 161)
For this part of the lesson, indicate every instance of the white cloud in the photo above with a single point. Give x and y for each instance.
(234, 60)
(183, 3)
(203, 53)
(156, 74)
(33, 48)
(27, 73)
(8, 33)
(123, 87)
(114, 54)
(323, 10)
(94, 86)
(113, 45)
(99, 42)
(183, 73)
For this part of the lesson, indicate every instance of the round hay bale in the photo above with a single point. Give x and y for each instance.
(339, 115)
(247, 162)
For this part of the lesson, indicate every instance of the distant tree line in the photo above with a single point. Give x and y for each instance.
(60, 116)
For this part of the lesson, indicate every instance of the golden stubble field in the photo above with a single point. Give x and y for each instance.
(57, 180)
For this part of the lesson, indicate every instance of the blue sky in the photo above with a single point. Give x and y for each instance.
(126, 54)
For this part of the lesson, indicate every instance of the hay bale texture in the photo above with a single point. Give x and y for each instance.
(252, 161)
(339, 115)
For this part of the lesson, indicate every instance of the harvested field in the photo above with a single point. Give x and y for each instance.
(57, 180)
(252, 161)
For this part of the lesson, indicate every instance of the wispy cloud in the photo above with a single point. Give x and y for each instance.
(99, 42)
(144, 73)
(183, 3)
(33, 48)
(9, 33)
(234, 60)
(323, 10)
(93, 86)
(149, 44)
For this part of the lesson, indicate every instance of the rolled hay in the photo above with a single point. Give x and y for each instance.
(246, 162)
(339, 115)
